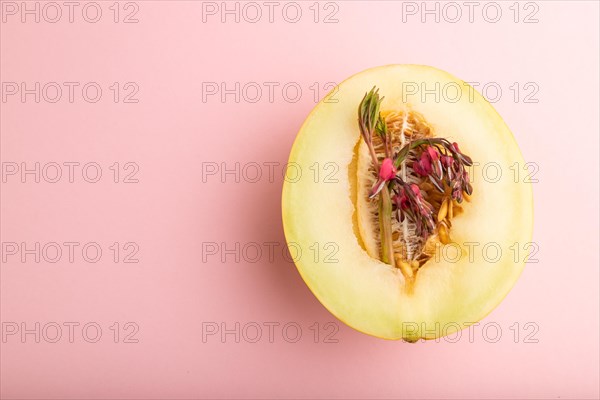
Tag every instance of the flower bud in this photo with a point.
(423, 165)
(387, 172)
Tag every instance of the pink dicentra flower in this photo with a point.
(388, 171)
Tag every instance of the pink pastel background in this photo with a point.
(170, 293)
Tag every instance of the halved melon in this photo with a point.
(329, 224)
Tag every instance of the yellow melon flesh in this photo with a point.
(360, 290)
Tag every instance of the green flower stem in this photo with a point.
(385, 226)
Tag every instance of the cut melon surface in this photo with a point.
(323, 218)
